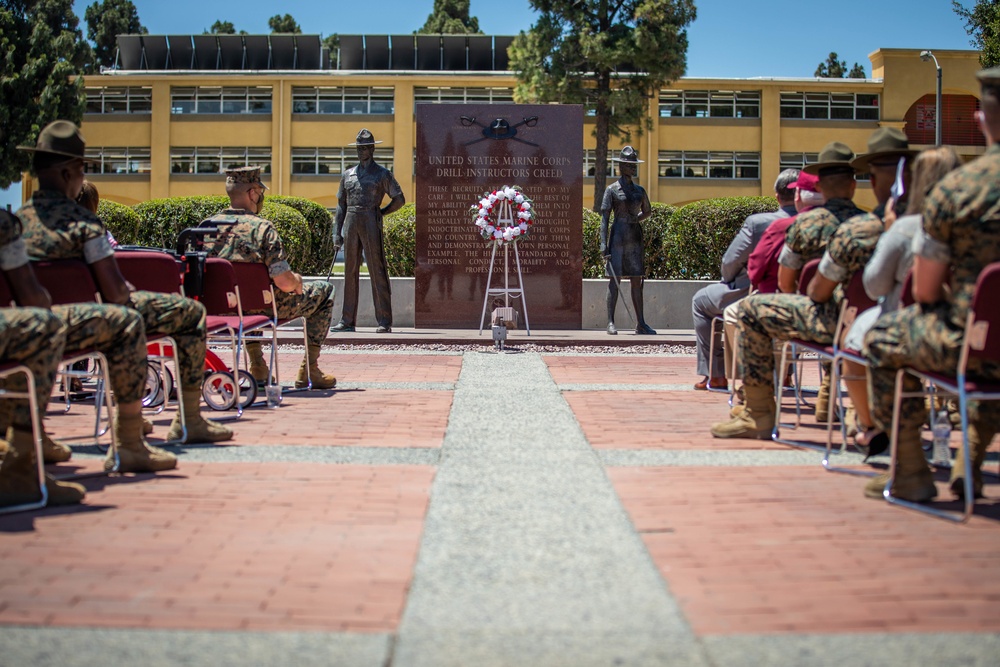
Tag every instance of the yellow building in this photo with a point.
(179, 109)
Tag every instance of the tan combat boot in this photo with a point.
(199, 429)
(978, 446)
(823, 400)
(54, 452)
(320, 380)
(756, 420)
(147, 426)
(258, 367)
(135, 454)
(914, 481)
(19, 476)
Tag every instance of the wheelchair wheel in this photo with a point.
(218, 390)
(152, 395)
(248, 389)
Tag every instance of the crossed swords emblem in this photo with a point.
(499, 129)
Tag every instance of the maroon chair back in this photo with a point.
(984, 334)
(808, 271)
(150, 270)
(219, 287)
(856, 295)
(67, 280)
(255, 287)
(906, 296)
(6, 295)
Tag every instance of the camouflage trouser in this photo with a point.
(315, 304)
(35, 338)
(768, 317)
(921, 339)
(116, 332)
(183, 320)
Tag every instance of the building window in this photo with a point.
(214, 159)
(709, 164)
(337, 100)
(829, 106)
(590, 166)
(124, 99)
(709, 104)
(322, 161)
(446, 94)
(958, 121)
(228, 100)
(113, 160)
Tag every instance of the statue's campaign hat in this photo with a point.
(835, 158)
(248, 175)
(60, 137)
(628, 154)
(885, 147)
(364, 138)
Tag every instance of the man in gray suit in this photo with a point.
(710, 301)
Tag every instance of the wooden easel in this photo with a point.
(505, 218)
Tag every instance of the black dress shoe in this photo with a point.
(342, 328)
(645, 330)
(383, 329)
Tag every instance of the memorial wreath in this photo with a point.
(521, 212)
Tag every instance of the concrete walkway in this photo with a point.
(494, 509)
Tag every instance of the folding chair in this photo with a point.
(257, 294)
(9, 370)
(856, 300)
(69, 281)
(223, 299)
(791, 349)
(981, 341)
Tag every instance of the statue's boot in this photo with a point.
(320, 380)
(980, 437)
(199, 429)
(19, 475)
(914, 481)
(641, 327)
(135, 454)
(754, 420)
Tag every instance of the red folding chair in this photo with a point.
(223, 299)
(9, 370)
(257, 294)
(981, 341)
(70, 281)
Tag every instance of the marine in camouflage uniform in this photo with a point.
(961, 229)
(56, 227)
(767, 317)
(246, 237)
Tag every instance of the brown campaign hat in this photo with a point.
(628, 154)
(885, 146)
(364, 138)
(835, 158)
(248, 175)
(60, 137)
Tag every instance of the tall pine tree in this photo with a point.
(105, 21)
(611, 56)
(451, 17)
(42, 52)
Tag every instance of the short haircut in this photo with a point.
(810, 198)
(233, 188)
(782, 183)
(837, 184)
(89, 196)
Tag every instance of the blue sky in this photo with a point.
(751, 38)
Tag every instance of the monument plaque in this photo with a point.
(465, 151)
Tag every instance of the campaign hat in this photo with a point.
(364, 138)
(628, 154)
(62, 138)
(885, 147)
(835, 158)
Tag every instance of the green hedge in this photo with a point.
(121, 221)
(161, 220)
(399, 231)
(698, 234)
(320, 222)
(652, 236)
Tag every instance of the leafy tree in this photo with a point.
(609, 56)
(284, 23)
(831, 68)
(332, 44)
(105, 21)
(223, 28)
(857, 72)
(983, 23)
(451, 17)
(42, 51)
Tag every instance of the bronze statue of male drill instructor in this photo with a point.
(359, 227)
